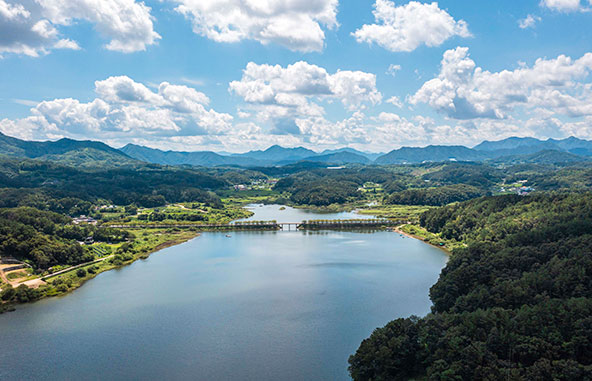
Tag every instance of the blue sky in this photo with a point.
(234, 75)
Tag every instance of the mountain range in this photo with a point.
(67, 151)
(92, 153)
(274, 155)
(514, 150)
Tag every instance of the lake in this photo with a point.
(285, 214)
(252, 306)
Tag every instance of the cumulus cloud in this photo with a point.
(295, 24)
(563, 5)
(127, 23)
(464, 91)
(393, 69)
(395, 101)
(124, 109)
(289, 99)
(289, 91)
(31, 27)
(528, 22)
(404, 28)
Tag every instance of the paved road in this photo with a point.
(75, 267)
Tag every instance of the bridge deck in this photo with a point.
(273, 225)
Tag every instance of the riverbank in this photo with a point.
(68, 280)
(419, 233)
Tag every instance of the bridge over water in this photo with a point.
(274, 225)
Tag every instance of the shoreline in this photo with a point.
(185, 236)
(443, 248)
(9, 307)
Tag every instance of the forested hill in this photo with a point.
(45, 239)
(66, 151)
(97, 154)
(515, 304)
(33, 183)
(199, 158)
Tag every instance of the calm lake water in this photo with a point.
(288, 214)
(253, 306)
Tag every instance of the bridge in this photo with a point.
(371, 223)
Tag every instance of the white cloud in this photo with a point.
(393, 69)
(295, 24)
(464, 91)
(25, 102)
(406, 27)
(124, 109)
(288, 91)
(66, 43)
(528, 22)
(124, 89)
(563, 5)
(13, 11)
(31, 28)
(395, 101)
(290, 101)
(127, 23)
(289, 98)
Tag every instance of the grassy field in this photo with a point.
(182, 213)
(21, 275)
(396, 212)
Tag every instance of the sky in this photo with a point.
(237, 75)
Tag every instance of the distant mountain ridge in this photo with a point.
(274, 155)
(430, 153)
(544, 157)
(510, 149)
(531, 145)
(341, 157)
(277, 153)
(197, 158)
(66, 151)
(93, 153)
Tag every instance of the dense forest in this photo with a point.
(321, 187)
(44, 239)
(514, 304)
(436, 196)
(70, 190)
(434, 184)
(39, 184)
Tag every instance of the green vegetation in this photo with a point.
(38, 200)
(435, 196)
(409, 213)
(514, 259)
(147, 241)
(183, 213)
(149, 185)
(435, 239)
(44, 239)
(514, 304)
(325, 187)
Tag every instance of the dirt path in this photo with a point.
(3, 276)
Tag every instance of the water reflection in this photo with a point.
(255, 306)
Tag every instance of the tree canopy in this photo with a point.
(515, 304)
